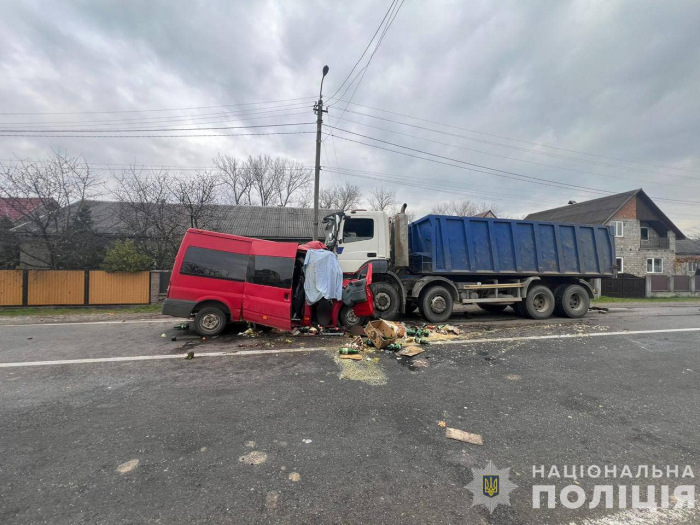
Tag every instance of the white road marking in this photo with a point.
(644, 517)
(562, 336)
(243, 353)
(130, 321)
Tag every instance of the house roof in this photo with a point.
(14, 207)
(487, 214)
(600, 211)
(250, 221)
(688, 247)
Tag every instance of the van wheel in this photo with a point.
(210, 321)
(436, 304)
(386, 301)
(539, 303)
(491, 307)
(348, 318)
(572, 301)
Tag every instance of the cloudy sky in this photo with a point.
(522, 104)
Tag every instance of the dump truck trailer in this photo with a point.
(538, 268)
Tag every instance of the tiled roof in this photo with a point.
(14, 208)
(596, 211)
(688, 247)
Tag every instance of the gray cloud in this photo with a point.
(617, 79)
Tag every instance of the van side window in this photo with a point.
(271, 271)
(358, 230)
(214, 264)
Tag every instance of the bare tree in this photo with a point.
(382, 198)
(57, 186)
(340, 197)
(262, 187)
(290, 180)
(149, 214)
(463, 208)
(198, 196)
(234, 179)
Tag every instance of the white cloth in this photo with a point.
(323, 276)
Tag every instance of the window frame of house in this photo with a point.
(642, 229)
(621, 266)
(653, 265)
(621, 226)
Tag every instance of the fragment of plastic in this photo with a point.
(323, 276)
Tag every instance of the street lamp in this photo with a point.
(318, 108)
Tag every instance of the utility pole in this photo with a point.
(318, 108)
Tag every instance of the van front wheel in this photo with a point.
(210, 321)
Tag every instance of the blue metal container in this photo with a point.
(441, 244)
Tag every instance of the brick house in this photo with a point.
(645, 238)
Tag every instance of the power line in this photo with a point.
(507, 157)
(160, 136)
(171, 118)
(498, 172)
(525, 141)
(365, 51)
(153, 130)
(151, 110)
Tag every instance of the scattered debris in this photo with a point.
(418, 362)
(254, 458)
(348, 350)
(461, 435)
(182, 326)
(203, 449)
(163, 335)
(190, 355)
(513, 377)
(173, 338)
(294, 476)
(128, 466)
(306, 440)
(354, 357)
(442, 424)
(410, 351)
(288, 341)
(250, 444)
(421, 341)
(599, 309)
(383, 333)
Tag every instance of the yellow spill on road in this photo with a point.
(254, 458)
(367, 371)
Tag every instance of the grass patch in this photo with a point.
(605, 299)
(79, 310)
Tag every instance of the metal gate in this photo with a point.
(628, 286)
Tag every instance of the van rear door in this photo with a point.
(268, 287)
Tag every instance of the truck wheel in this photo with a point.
(436, 305)
(519, 308)
(348, 318)
(572, 301)
(386, 301)
(210, 321)
(491, 307)
(539, 303)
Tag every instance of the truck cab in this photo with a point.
(357, 237)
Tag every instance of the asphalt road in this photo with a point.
(300, 437)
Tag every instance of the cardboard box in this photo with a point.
(383, 333)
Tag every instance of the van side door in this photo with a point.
(211, 268)
(268, 287)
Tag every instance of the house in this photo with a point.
(688, 257)
(645, 238)
(15, 207)
(488, 214)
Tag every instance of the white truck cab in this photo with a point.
(363, 236)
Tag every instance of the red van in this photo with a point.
(220, 278)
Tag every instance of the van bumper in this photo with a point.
(178, 308)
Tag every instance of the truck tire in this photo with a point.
(571, 301)
(348, 318)
(210, 321)
(492, 307)
(436, 304)
(386, 301)
(519, 308)
(539, 303)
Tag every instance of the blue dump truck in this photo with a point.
(537, 268)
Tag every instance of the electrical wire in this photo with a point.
(153, 130)
(161, 136)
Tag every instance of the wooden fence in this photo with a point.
(73, 287)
